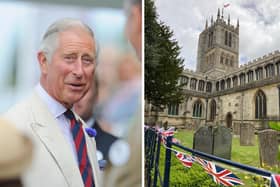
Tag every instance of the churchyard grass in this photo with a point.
(196, 177)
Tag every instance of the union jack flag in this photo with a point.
(168, 132)
(275, 181)
(220, 175)
(186, 160)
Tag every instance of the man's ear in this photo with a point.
(43, 62)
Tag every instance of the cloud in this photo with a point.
(259, 25)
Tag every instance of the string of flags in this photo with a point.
(219, 175)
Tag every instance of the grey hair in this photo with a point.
(49, 42)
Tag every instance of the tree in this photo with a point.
(163, 66)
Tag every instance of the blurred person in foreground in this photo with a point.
(128, 172)
(64, 154)
(85, 109)
(15, 154)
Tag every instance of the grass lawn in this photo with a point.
(196, 177)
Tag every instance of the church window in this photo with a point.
(210, 39)
(229, 40)
(197, 109)
(222, 84)
(228, 83)
(221, 59)
(260, 105)
(193, 84)
(250, 75)
(259, 73)
(201, 85)
(217, 86)
(278, 68)
(184, 80)
(212, 109)
(269, 70)
(235, 81)
(242, 79)
(226, 37)
(208, 87)
(173, 109)
(226, 61)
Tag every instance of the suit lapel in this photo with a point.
(46, 128)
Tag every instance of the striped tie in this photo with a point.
(80, 144)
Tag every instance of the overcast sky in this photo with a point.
(259, 21)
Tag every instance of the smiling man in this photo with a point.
(64, 153)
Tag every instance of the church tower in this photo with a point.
(218, 47)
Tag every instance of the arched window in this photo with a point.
(217, 86)
(193, 83)
(226, 38)
(222, 84)
(229, 41)
(260, 105)
(242, 79)
(197, 109)
(259, 73)
(269, 70)
(228, 83)
(208, 87)
(278, 68)
(173, 109)
(200, 85)
(250, 75)
(212, 109)
(235, 81)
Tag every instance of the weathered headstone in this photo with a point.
(203, 140)
(268, 147)
(222, 142)
(216, 141)
(247, 134)
(236, 128)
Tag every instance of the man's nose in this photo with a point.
(78, 69)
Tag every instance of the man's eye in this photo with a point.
(87, 60)
(69, 58)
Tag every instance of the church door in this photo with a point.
(229, 120)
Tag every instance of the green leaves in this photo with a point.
(163, 65)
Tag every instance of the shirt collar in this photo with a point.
(56, 108)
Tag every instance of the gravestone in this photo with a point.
(247, 134)
(268, 147)
(214, 140)
(222, 142)
(203, 140)
(236, 128)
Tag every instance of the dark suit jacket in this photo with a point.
(103, 140)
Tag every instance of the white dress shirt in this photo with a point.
(57, 111)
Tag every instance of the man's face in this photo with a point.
(69, 74)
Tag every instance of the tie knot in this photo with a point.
(69, 114)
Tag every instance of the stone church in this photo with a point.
(222, 92)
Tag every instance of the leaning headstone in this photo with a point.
(268, 147)
(236, 128)
(222, 142)
(203, 140)
(247, 134)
